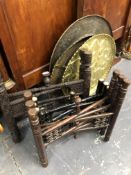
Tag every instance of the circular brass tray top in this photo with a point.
(61, 63)
(103, 49)
(91, 24)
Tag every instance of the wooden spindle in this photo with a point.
(77, 101)
(27, 95)
(29, 104)
(114, 85)
(36, 129)
(85, 70)
(112, 92)
(100, 86)
(123, 85)
(105, 88)
(46, 78)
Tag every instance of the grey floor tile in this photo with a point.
(8, 164)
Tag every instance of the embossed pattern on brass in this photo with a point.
(103, 51)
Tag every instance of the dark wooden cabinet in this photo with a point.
(28, 33)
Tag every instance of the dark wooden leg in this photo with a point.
(123, 85)
(36, 129)
(112, 92)
(114, 86)
(100, 86)
(85, 71)
(8, 114)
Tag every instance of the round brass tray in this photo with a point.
(61, 63)
(91, 24)
(103, 49)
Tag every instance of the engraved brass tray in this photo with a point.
(91, 24)
(103, 49)
(61, 63)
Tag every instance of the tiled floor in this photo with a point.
(87, 155)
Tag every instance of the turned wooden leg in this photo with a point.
(114, 86)
(6, 109)
(104, 92)
(85, 71)
(123, 85)
(112, 92)
(36, 129)
(28, 95)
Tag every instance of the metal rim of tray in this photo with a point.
(94, 24)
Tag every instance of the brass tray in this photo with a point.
(61, 63)
(103, 49)
(91, 24)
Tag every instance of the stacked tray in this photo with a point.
(93, 33)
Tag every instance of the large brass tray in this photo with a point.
(103, 49)
(92, 24)
(61, 63)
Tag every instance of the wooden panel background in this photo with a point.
(8, 46)
(34, 27)
(115, 11)
(3, 70)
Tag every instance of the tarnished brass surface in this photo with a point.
(103, 51)
(61, 63)
(91, 24)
